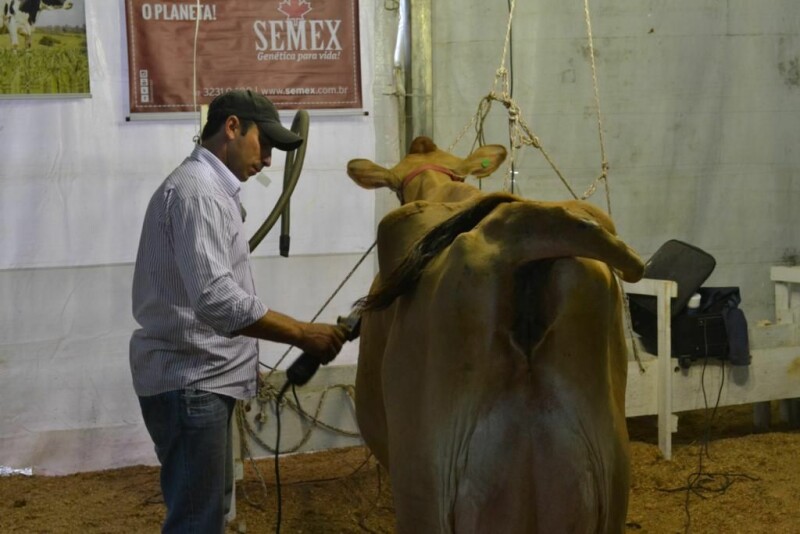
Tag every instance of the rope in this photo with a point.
(325, 305)
(520, 133)
(603, 161)
(507, 40)
(244, 452)
(194, 69)
(268, 395)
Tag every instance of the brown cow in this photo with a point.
(492, 366)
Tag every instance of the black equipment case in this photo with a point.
(715, 328)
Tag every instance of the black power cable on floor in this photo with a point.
(701, 481)
(298, 374)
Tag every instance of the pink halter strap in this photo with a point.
(432, 167)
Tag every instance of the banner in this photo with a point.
(43, 49)
(298, 53)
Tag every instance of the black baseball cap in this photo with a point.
(257, 108)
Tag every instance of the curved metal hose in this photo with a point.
(291, 174)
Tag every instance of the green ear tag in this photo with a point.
(485, 163)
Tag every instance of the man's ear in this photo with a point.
(370, 175)
(483, 162)
(232, 127)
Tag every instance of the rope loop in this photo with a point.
(520, 133)
(513, 110)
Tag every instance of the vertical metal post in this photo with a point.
(419, 79)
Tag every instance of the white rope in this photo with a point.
(603, 161)
(506, 46)
(325, 304)
(268, 396)
(520, 134)
(194, 69)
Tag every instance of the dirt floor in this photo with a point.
(750, 484)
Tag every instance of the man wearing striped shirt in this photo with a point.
(196, 352)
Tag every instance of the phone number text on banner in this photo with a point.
(298, 53)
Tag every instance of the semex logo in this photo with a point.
(294, 33)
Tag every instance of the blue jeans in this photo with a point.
(191, 430)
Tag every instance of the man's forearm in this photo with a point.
(275, 326)
(321, 340)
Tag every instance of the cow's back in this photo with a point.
(548, 450)
(504, 389)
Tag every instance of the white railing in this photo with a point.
(662, 387)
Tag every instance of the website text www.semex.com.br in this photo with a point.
(280, 91)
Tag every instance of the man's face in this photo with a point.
(248, 152)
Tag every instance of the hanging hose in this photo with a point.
(291, 174)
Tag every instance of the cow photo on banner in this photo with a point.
(298, 53)
(43, 49)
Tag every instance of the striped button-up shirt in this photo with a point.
(192, 286)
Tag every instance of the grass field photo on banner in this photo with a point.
(43, 49)
(56, 63)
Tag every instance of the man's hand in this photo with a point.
(324, 341)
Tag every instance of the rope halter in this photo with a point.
(427, 167)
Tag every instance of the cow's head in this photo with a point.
(424, 154)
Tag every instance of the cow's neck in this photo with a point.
(436, 184)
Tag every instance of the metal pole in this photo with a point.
(419, 102)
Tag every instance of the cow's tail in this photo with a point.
(405, 277)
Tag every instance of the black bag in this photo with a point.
(716, 328)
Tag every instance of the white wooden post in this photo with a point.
(784, 277)
(664, 291)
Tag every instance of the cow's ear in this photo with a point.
(483, 162)
(370, 175)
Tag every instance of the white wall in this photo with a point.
(74, 183)
(700, 102)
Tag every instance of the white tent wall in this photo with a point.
(700, 106)
(76, 178)
(699, 103)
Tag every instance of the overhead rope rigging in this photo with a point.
(520, 133)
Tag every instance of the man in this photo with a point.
(194, 297)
